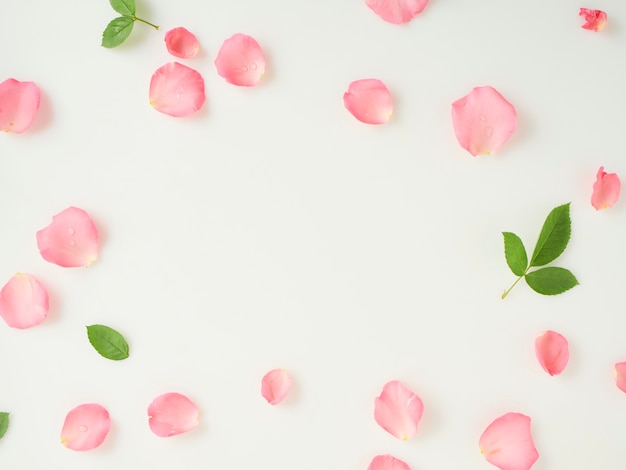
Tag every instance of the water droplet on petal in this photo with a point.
(253, 66)
(70, 230)
(482, 117)
(82, 428)
(243, 68)
(72, 243)
(488, 131)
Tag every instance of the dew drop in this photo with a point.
(482, 117)
(70, 231)
(82, 428)
(243, 68)
(253, 66)
(72, 243)
(488, 131)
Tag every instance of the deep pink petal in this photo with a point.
(595, 20)
(240, 61)
(508, 444)
(85, 427)
(483, 121)
(181, 43)
(606, 189)
(23, 301)
(620, 376)
(177, 90)
(71, 240)
(398, 410)
(397, 11)
(387, 462)
(552, 352)
(275, 386)
(369, 101)
(172, 414)
(19, 102)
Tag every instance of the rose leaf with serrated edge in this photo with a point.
(107, 342)
(515, 253)
(551, 281)
(554, 236)
(4, 423)
(124, 7)
(117, 31)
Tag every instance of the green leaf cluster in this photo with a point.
(107, 342)
(4, 423)
(553, 240)
(118, 29)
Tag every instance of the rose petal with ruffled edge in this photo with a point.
(19, 103)
(176, 90)
(181, 42)
(85, 427)
(552, 352)
(508, 444)
(398, 410)
(397, 11)
(369, 101)
(23, 302)
(595, 20)
(387, 462)
(171, 414)
(606, 189)
(71, 240)
(240, 61)
(483, 121)
(275, 386)
(620, 375)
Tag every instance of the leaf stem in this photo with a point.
(506, 292)
(146, 22)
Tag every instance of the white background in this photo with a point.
(272, 229)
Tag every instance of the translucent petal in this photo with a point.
(177, 90)
(240, 61)
(369, 101)
(172, 414)
(181, 43)
(606, 189)
(397, 11)
(19, 103)
(552, 352)
(275, 386)
(620, 376)
(398, 410)
(85, 427)
(23, 301)
(508, 444)
(595, 20)
(387, 462)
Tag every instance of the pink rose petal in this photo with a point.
(71, 240)
(483, 121)
(397, 11)
(595, 20)
(176, 90)
(552, 352)
(508, 444)
(620, 376)
(23, 301)
(19, 102)
(275, 386)
(182, 43)
(398, 410)
(387, 462)
(172, 414)
(240, 61)
(85, 427)
(606, 189)
(369, 101)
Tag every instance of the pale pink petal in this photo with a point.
(606, 189)
(552, 352)
(85, 427)
(181, 43)
(23, 301)
(508, 444)
(71, 240)
(177, 90)
(369, 101)
(398, 410)
(483, 121)
(620, 376)
(240, 61)
(595, 20)
(387, 462)
(19, 102)
(275, 386)
(172, 414)
(397, 11)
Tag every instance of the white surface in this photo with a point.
(274, 230)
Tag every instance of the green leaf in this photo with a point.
(108, 342)
(117, 31)
(124, 7)
(554, 236)
(4, 423)
(551, 281)
(515, 253)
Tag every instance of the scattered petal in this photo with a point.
(397, 11)
(85, 427)
(71, 240)
(398, 410)
(181, 43)
(369, 101)
(620, 376)
(23, 302)
(606, 189)
(595, 20)
(483, 121)
(172, 414)
(275, 386)
(387, 462)
(19, 102)
(240, 61)
(552, 352)
(508, 444)
(176, 90)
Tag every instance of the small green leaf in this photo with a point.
(551, 281)
(554, 236)
(124, 7)
(108, 342)
(4, 423)
(515, 253)
(117, 31)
